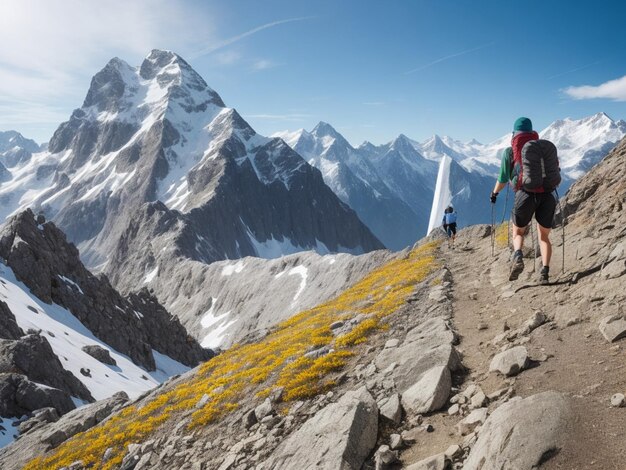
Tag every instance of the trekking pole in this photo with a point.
(493, 233)
(508, 224)
(532, 234)
(558, 200)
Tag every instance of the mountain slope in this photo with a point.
(38, 255)
(374, 375)
(68, 338)
(391, 186)
(158, 132)
(356, 182)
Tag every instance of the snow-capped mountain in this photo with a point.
(13, 140)
(14, 149)
(158, 133)
(357, 182)
(584, 142)
(396, 173)
(581, 144)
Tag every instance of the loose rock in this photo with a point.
(618, 400)
(521, 433)
(510, 362)
(613, 327)
(429, 393)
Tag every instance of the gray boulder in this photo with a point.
(510, 362)
(613, 327)
(99, 353)
(20, 396)
(426, 346)
(33, 356)
(472, 421)
(435, 462)
(338, 437)
(391, 409)
(521, 434)
(430, 392)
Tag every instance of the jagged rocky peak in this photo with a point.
(15, 149)
(324, 129)
(108, 86)
(403, 144)
(11, 139)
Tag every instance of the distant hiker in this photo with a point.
(449, 224)
(532, 167)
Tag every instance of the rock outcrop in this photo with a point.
(522, 433)
(20, 396)
(33, 357)
(41, 257)
(340, 436)
(9, 328)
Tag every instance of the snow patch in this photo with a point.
(71, 283)
(166, 367)
(217, 324)
(303, 272)
(443, 195)
(151, 275)
(230, 269)
(67, 335)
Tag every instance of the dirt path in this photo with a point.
(573, 357)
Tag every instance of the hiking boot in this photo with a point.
(544, 276)
(517, 266)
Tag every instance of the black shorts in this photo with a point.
(542, 205)
(451, 229)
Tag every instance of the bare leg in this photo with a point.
(545, 245)
(518, 237)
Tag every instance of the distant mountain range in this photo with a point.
(157, 132)
(391, 186)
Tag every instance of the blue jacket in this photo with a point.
(449, 218)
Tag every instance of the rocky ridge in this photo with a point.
(40, 256)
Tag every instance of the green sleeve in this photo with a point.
(505, 166)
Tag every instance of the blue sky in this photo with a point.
(371, 69)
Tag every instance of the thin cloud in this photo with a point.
(577, 69)
(613, 90)
(374, 103)
(227, 42)
(448, 57)
(228, 57)
(263, 64)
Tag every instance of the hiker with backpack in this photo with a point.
(449, 224)
(531, 165)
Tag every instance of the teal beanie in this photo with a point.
(523, 124)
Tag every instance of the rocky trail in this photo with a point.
(567, 352)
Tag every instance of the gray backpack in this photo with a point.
(540, 167)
